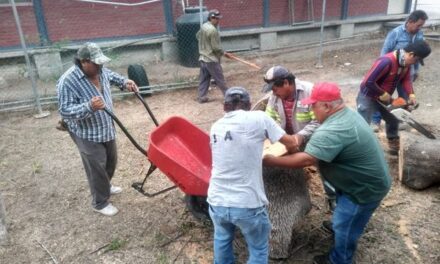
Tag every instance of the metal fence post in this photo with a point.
(321, 39)
(28, 63)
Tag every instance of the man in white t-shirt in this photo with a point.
(236, 191)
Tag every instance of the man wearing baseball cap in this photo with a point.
(285, 93)
(382, 79)
(210, 51)
(236, 193)
(83, 92)
(349, 156)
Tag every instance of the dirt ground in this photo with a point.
(47, 199)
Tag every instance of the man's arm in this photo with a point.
(379, 69)
(308, 130)
(68, 106)
(296, 160)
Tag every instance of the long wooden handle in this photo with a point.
(255, 66)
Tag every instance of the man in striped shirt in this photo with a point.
(83, 92)
(284, 106)
(382, 79)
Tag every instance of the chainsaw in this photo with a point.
(400, 109)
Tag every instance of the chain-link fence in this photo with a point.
(39, 38)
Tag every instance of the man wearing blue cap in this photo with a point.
(83, 92)
(236, 193)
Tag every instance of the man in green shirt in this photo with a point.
(210, 54)
(349, 156)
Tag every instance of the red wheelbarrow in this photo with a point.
(181, 151)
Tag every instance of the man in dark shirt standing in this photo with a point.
(382, 79)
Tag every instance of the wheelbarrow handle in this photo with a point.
(143, 151)
(147, 107)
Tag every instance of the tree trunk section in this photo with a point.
(418, 161)
(289, 202)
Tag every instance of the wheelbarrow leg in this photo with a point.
(139, 186)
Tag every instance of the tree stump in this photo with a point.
(418, 161)
(289, 202)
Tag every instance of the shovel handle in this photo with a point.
(253, 65)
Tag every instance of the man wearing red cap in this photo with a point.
(349, 156)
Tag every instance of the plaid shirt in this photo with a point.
(74, 94)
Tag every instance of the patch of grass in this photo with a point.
(185, 227)
(116, 244)
(162, 258)
(36, 167)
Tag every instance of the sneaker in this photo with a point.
(393, 146)
(321, 259)
(203, 100)
(109, 210)
(115, 189)
(328, 226)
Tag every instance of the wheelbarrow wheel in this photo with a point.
(198, 206)
(136, 72)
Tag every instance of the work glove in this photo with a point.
(385, 97)
(412, 99)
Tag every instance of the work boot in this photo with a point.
(321, 259)
(394, 146)
(203, 100)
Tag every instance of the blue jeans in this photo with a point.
(366, 106)
(349, 221)
(253, 223)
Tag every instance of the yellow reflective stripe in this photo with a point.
(306, 116)
(273, 114)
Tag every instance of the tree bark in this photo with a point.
(418, 161)
(289, 202)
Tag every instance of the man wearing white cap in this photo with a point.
(83, 92)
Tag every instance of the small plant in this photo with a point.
(115, 244)
(162, 258)
(36, 167)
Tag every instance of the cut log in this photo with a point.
(418, 161)
(289, 202)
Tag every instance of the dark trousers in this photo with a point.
(366, 106)
(210, 70)
(99, 160)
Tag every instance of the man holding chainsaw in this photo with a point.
(399, 38)
(380, 82)
(210, 55)
(83, 92)
(236, 193)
